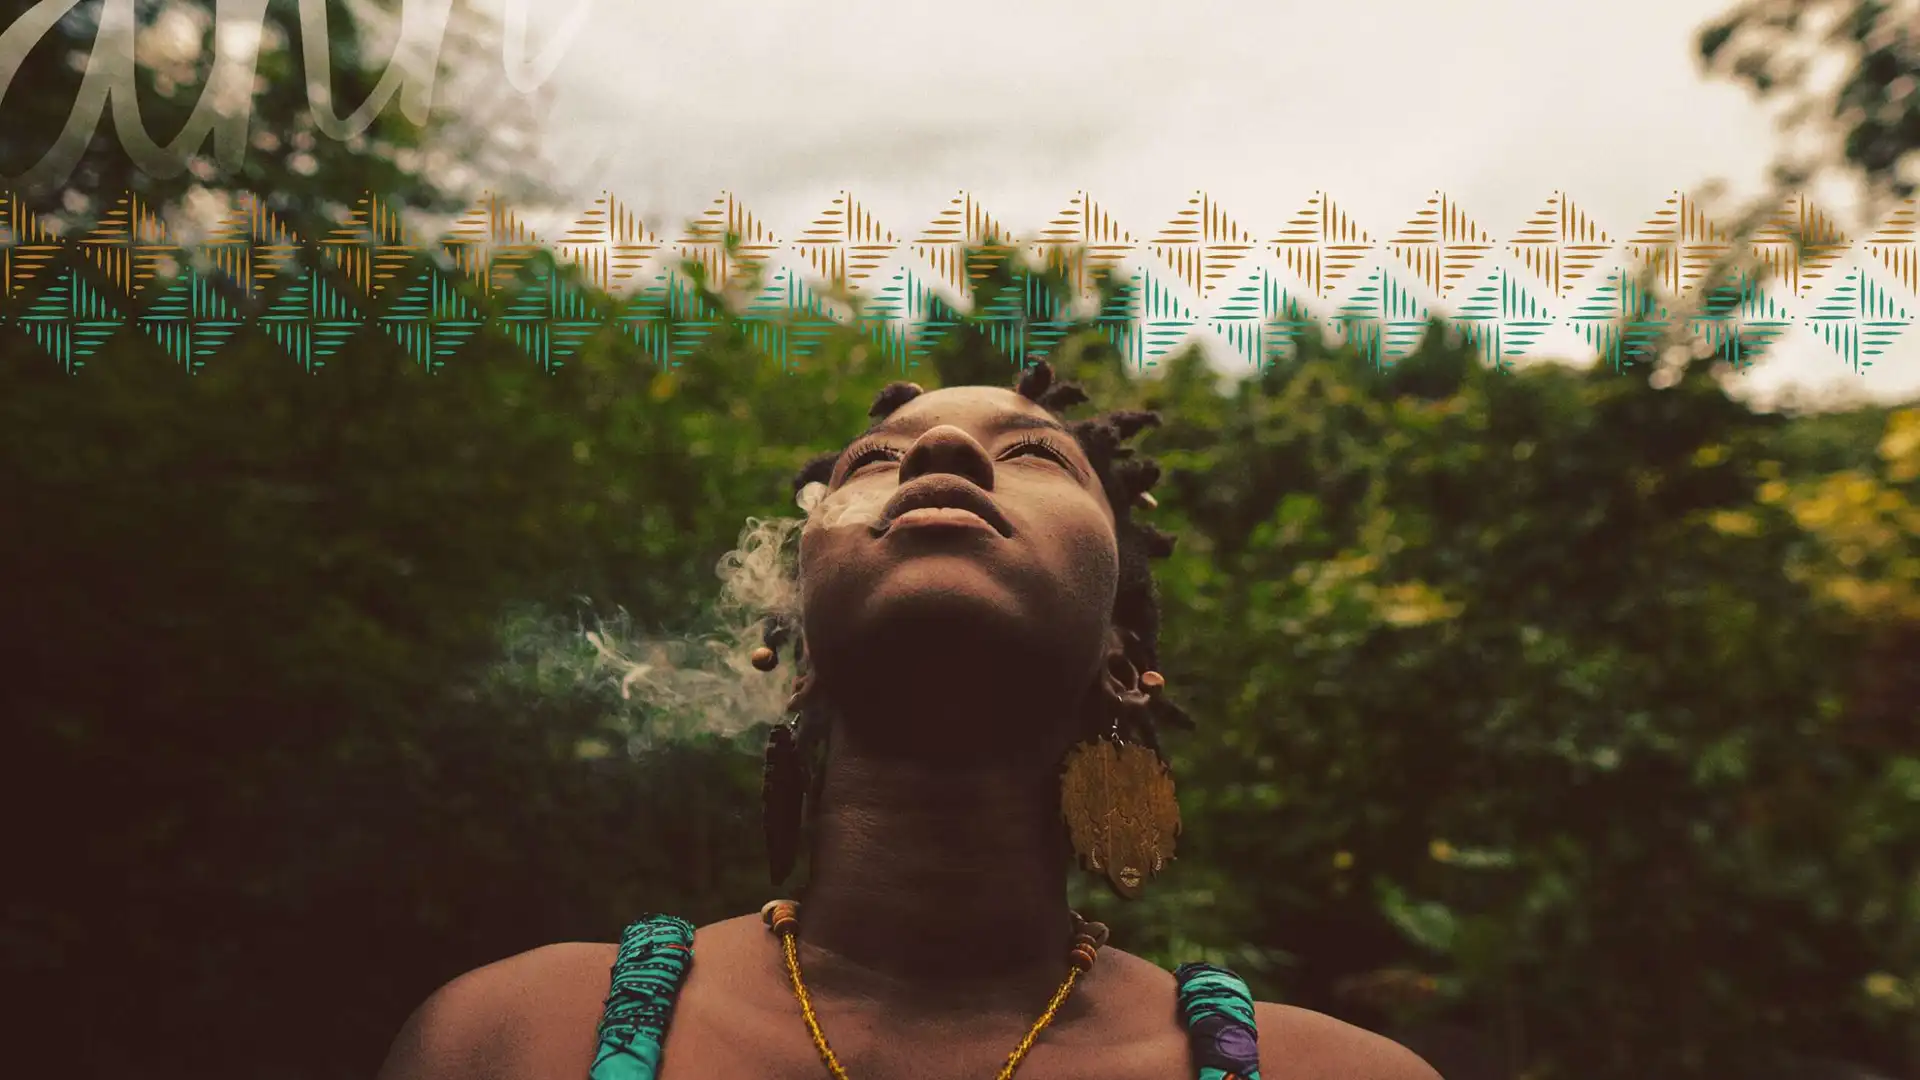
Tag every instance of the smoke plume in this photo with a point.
(665, 688)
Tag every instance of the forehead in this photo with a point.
(973, 408)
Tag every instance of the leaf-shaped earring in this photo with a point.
(1117, 797)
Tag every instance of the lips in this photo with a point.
(943, 491)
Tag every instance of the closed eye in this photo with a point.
(863, 454)
(1041, 445)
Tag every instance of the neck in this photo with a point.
(936, 882)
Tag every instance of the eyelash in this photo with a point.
(1040, 442)
(860, 454)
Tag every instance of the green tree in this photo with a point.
(1874, 108)
(296, 170)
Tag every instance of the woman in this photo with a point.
(988, 616)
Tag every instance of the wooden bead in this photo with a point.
(1083, 956)
(1096, 931)
(1152, 682)
(781, 916)
(765, 659)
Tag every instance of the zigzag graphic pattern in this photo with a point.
(1202, 271)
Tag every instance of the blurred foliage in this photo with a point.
(1561, 716)
(1873, 107)
(296, 171)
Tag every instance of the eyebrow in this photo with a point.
(1007, 422)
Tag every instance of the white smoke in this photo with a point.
(677, 687)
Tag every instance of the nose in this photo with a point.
(947, 449)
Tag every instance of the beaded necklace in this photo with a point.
(783, 918)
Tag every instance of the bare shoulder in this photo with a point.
(495, 1022)
(1295, 1043)
(1300, 1044)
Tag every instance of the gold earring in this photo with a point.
(1121, 812)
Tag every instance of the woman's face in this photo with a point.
(978, 533)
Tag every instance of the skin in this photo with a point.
(935, 922)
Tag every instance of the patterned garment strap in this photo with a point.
(1217, 1009)
(652, 963)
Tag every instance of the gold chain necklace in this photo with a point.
(783, 918)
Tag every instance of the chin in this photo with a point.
(957, 611)
(944, 623)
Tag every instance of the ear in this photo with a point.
(1117, 689)
(802, 695)
(806, 681)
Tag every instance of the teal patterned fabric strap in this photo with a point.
(652, 963)
(1217, 1009)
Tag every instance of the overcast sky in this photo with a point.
(1497, 103)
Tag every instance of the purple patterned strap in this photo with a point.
(1217, 1009)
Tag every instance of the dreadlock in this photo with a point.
(1126, 477)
